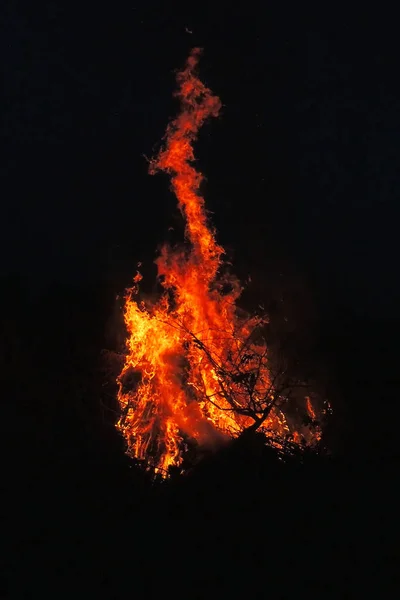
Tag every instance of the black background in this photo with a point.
(302, 172)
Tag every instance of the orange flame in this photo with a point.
(173, 388)
(310, 409)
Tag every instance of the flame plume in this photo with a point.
(177, 384)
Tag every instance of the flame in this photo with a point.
(310, 409)
(178, 383)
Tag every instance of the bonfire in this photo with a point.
(197, 368)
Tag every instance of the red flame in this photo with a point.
(178, 383)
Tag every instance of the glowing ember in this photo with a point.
(196, 371)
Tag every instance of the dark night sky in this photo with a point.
(302, 167)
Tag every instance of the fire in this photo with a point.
(310, 408)
(195, 371)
